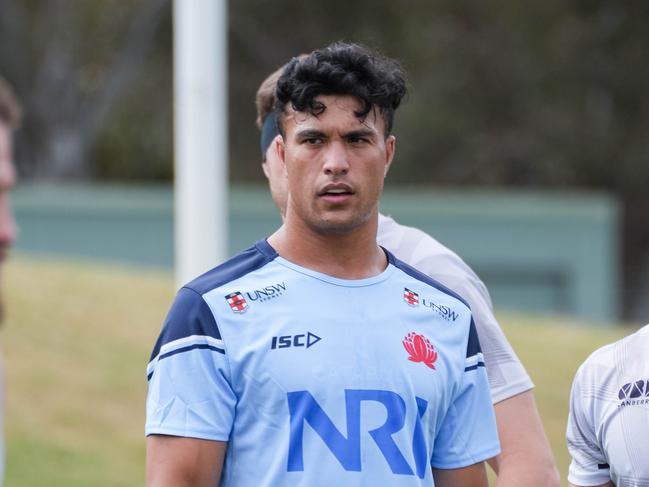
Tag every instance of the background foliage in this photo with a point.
(547, 94)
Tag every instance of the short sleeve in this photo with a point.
(589, 466)
(190, 392)
(468, 433)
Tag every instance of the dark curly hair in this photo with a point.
(342, 69)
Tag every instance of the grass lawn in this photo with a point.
(77, 340)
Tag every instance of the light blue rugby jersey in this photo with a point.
(319, 381)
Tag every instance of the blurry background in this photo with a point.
(522, 146)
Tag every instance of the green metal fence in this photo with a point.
(540, 252)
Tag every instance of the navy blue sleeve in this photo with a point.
(190, 392)
(188, 316)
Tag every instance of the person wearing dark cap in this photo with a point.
(306, 360)
(526, 457)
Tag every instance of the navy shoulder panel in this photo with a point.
(412, 272)
(241, 264)
(473, 345)
(189, 315)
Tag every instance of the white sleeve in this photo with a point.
(589, 465)
(506, 374)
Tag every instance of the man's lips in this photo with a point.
(336, 188)
(336, 193)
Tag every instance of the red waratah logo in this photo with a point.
(420, 349)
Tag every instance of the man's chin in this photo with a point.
(340, 225)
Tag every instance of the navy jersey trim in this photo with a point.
(603, 466)
(412, 272)
(191, 347)
(474, 367)
(241, 264)
(199, 346)
(190, 315)
(473, 345)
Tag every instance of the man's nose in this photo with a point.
(336, 159)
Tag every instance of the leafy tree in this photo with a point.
(70, 62)
(551, 94)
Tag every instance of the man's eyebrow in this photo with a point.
(310, 133)
(359, 133)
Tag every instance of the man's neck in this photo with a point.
(350, 255)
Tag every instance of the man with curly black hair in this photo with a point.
(526, 457)
(307, 359)
(376, 82)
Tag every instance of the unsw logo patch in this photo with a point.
(420, 349)
(237, 302)
(410, 297)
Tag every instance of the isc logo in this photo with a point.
(301, 340)
(347, 449)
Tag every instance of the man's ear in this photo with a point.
(390, 148)
(280, 147)
(264, 167)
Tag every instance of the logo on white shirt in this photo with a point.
(634, 393)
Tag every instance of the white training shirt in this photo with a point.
(608, 425)
(507, 376)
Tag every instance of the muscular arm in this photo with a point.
(471, 476)
(174, 461)
(526, 457)
(607, 484)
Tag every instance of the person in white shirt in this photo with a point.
(526, 458)
(608, 423)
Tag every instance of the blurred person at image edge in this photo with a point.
(10, 116)
(608, 422)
